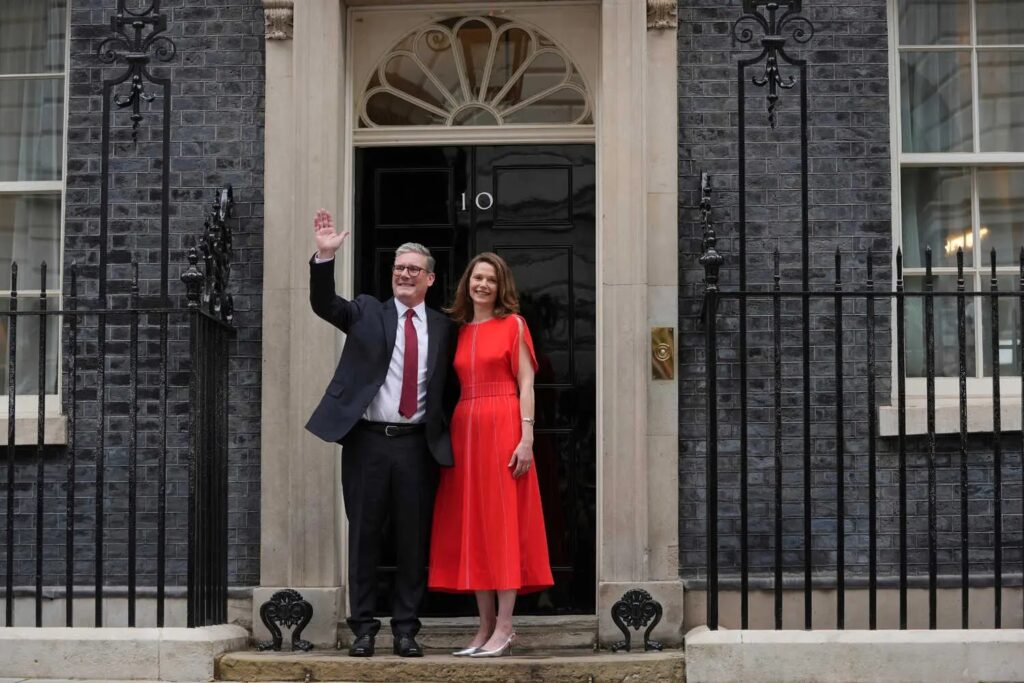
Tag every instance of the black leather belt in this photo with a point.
(392, 429)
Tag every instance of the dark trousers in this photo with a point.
(384, 477)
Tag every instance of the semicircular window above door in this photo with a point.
(475, 71)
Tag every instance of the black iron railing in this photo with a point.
(141, 487)
(822, 440)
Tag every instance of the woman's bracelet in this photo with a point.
(529, 420)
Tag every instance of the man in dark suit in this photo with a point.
(386, 404)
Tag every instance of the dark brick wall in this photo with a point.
(850, 184)
(216, 137)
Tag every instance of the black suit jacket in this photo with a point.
(370, 326)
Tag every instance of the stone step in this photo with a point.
(548, 633)
(563, 666)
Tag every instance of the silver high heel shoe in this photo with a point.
(503, 649)
(468, 652)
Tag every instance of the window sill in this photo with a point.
(947, 416)
(26, 430)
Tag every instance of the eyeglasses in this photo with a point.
(413, 271)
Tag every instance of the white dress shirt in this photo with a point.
(384, 406)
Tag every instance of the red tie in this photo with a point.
(407, 405)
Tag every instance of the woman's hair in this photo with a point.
(506, 300)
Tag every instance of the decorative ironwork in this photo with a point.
(193, 279)
(132, 46)
(773, 42)
(710, 259)
(279, 16)
(209, 286)
(216, 249)
(662, 14)
(635, 609)
(287, 608)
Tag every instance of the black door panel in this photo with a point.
(533, 205)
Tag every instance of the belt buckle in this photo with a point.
(388, 432)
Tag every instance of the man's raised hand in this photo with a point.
(328, 240)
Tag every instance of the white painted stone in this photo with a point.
(947, 416)
(189, 654)
(101, 653)
(107, 654)
(26, 430)
(941, 656)
(823, 608)
(322, 630)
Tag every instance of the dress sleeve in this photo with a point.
(524, 329)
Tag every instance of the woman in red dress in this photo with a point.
(488, 530)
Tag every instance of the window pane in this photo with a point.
(934, 22)
(29, 234)
(1009, 327)
(1001, 95)
(564, 104)
(1000, 22)
(1001, 204)
(31, 129)
(32, 36)
(935, 89)
(947, 358)
(936, 213)
(27, 349)
(385, 108)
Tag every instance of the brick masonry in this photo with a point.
(216, 135)
(850, 205)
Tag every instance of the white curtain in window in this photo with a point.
(31, 109)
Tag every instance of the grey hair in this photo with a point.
(416, 248)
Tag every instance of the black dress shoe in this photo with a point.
(406, 646)
(361, 647)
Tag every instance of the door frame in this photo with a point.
(308, 164)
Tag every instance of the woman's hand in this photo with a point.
(328, 240)
(522, 460)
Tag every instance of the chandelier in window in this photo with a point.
(475, 71)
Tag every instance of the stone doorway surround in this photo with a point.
(307, 166)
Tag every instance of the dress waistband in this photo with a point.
(482, 389)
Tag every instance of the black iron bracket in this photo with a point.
(289, 609)
(764, 14)
(710, 259)
(636, 609)
(131, 44)
(209, 287)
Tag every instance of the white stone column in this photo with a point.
(638, 487)
(300, 480)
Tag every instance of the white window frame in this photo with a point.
(979, 389)
(27, 405)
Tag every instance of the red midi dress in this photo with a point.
(488, 529)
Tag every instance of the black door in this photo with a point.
(533, 205)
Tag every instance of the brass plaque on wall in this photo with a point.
(663, 353)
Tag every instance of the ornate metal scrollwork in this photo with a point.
(635, 609)
(209, 287)
(287, 608)
(710, 258)
(216, 250)
(133, 45)
(773, 42)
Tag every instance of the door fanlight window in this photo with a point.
(475, 71)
